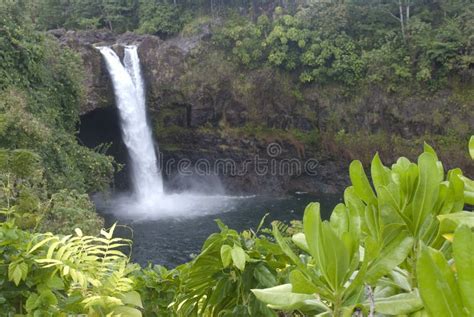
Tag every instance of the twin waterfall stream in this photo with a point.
(130, 99)
(148, 201)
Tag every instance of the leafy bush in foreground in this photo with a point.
(218, 281)
(381, 248)
(447, 290)
(399, 245)
(50, 275)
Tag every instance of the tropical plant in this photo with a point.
(58, 275)
(158, 287)
(67, 209)
(218, 281)
(367, 257)
(334, 267)
(446, 287)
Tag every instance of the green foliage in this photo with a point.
(46, 274)
(23, 192)
(351, 43)
(68, 209)
(43, 73)
(218, 281)
(245, 38)
(445, 288)
(158, 288)
(162, 19)
(388, 238)
(292, 43)
(385, 249)
(116, 15)
(471, 147)
(356, 42)
(43, 170)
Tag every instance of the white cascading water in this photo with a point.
(130, 99)
(149, 202)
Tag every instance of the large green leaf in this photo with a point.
(332, 255)
(380, 174)
(405, 174)
(468, 183)
(226, 256)
(437, 284)
(468, 194)
(238, 257)
(337, 256)
(449, 223)
(356, 209)
(361, 183)
(263, 275)
(463, 250)
(457, 191)
(469, 198)
(339, 219)
(427, 189)
(390, 205)
(373, 222)
(301, 283)
(428, 149)
(17, 271)
(400, 278)
(300, 240)
(353, 202)
(390, 256)
(312, 228)
(127, 311)
(399, 304)
(132, 298)
(282, 297)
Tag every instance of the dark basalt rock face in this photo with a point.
(203, 106)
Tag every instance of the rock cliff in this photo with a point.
(204, 106)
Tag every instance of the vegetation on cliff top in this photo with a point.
(392, 43)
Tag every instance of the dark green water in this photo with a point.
(171, 241)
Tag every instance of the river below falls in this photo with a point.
(171, 241)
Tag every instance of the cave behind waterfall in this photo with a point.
(102, 126)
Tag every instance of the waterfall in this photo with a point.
(130, 99)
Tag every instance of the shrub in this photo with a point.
(162, 19)
(54, 275)
(68, 210)
(384, 245)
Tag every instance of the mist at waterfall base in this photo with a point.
(172, 241)
(166, 227)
